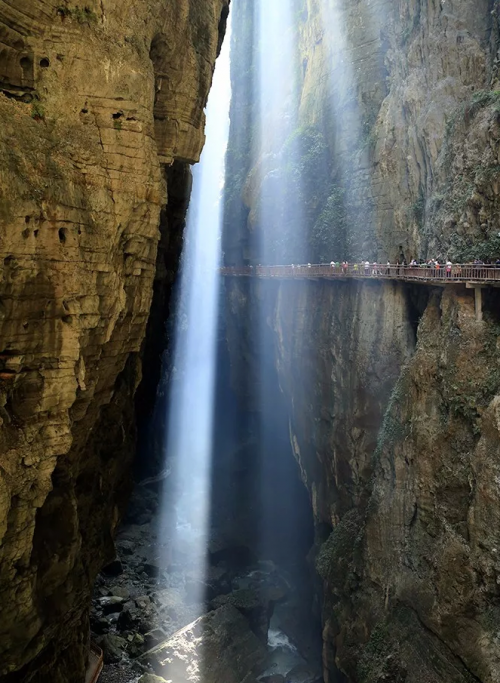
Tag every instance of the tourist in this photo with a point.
(367, 267)
(448, 268)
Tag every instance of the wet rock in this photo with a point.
(221, 644)
(136, 645)
(143, 602)
(113, 647)
(120, 591)
(253, 605)
(151, 678)
(111, 604)
(275, 678)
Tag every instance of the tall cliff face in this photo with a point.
(97, 101)
(392, 391)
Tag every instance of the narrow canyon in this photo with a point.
(249, 341)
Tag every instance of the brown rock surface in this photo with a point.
(93, 100)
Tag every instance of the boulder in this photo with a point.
(111, 604)
(302, 674)
(113, 647)
(219, 646)
(151, 678)
(99, 625)
(120, 591)
(152, 568)
(136, 645)
(254, 605)
(134, 618)
(154, 637)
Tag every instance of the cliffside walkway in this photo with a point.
(473, 276)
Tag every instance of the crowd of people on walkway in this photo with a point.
(443, 267)
(418, 269)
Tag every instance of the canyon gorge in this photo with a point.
(352, 521)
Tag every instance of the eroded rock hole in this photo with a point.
(25, 63)
(45, 63)
(62, 232)
(117, 115)
(418, 298)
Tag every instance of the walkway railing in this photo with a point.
(443, 274)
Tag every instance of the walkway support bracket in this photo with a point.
(478, 299)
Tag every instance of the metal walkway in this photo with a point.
(474, 277)
(487, 275)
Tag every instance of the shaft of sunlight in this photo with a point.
(277, 220)
(186, 500)
(278, 209)
(343, 76)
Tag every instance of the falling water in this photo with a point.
(185, 508)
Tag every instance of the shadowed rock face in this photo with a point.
(94, 100)
(392, 392)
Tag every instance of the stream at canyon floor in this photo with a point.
(142, 600)
(138, 603)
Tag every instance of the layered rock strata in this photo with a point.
(96, 101)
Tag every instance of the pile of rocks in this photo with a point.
(148, 617)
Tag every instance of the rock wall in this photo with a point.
(392, 390)
(96, 102)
